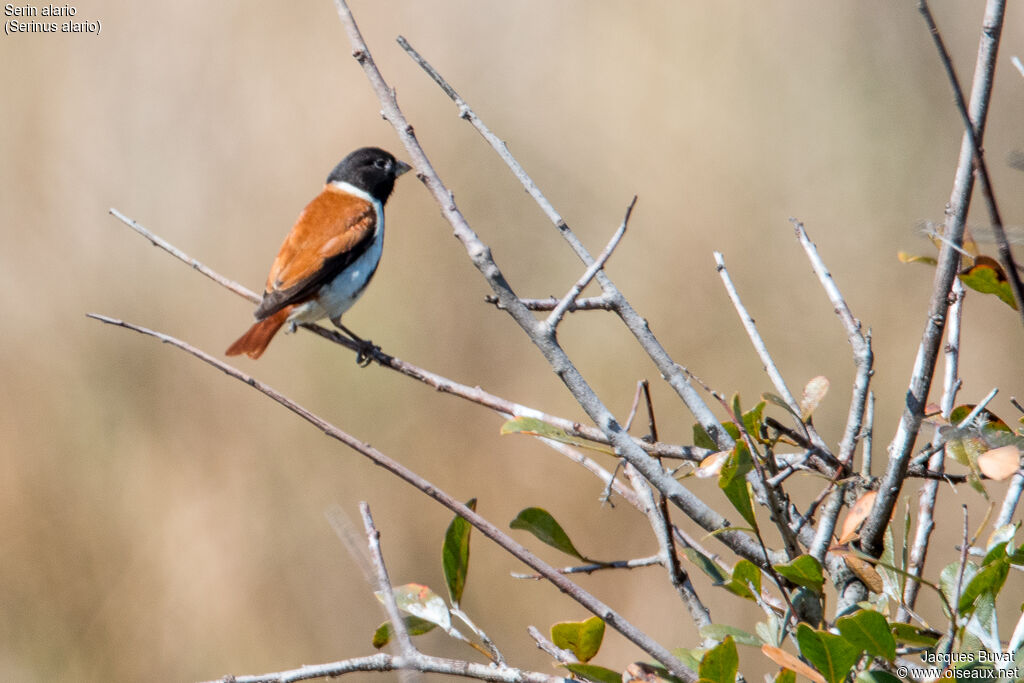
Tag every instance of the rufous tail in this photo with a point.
(254, 342)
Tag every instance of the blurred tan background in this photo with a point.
(160, 521)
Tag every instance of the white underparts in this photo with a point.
(337, 296)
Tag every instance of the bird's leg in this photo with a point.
(367, 349)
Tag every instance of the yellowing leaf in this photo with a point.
(1000, 463)
(419, 601)
(865, 571)
(711, 466)
(856, 516)
(582, 638)
(904, 257)
(791, 662)
(987, 276)
(535, 427)
(814, 392)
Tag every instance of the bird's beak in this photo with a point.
(401, 167)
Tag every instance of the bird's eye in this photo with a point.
(380, 163)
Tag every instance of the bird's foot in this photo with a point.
(366, 350)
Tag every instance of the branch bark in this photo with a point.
(901, 448)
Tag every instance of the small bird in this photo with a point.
(330, 254)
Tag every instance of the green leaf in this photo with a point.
(904, 257)
(541, 524)
(582, 638)
(869, 631)
(455, 555)
(535, 427)
(830, 654)
(752, 420)
(998, 552)
(706, 564)
(948, 580)
(909, 634)
(719, 632)
(414, 625)
(689, 657)
(781, 403)
(720, 663)
(419, 601)
(989, 579)
(769, 630)
(733, 483)
(591, 672)
(803, 571)
(987, 276)
(745, 581)
(702, 440)
(877, 676)
(785, 676)
(1002, 537)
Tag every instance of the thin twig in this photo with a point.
(951, 381)
(1015, 60)
(383, 662)
(480, 255)
(636, 324)
(1009, 506)
(667, 555)
(592, 303)
(611, 617)
(592, 567)
(867, 443)
(556, 653)
(661, 523)
(570, 297)
(954, 619)
(977, 410)
(443, 384)
(985, 182)
(922, 537)
(755, 337)
(384, 590)
(863, 357)
(902, 446)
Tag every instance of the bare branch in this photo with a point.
(592, 567)
(157, 241)
(384, 662)
(661, 526)
(1009, 506)
(922, 537)
(557, 653)
(1002, 244)
(480, 255)
(868, 441)
(636, 324)
(863, 357)
(1018, 64)
(384, 590)
(570, 297)
(443, 384)
(610, 617)
(902, 446)
(755, 337)
(593, 303)
(951, 378)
